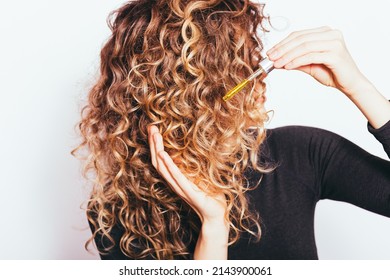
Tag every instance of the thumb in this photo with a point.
(306, 69)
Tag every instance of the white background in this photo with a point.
(49, 54)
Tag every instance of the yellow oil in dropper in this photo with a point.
(265, 67)
(235, 90)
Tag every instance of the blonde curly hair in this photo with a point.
(168, 63)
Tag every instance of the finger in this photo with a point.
(306, 69)
(156, 145)
(161, 165)
(295, 34)
(180, 184)
(303, 39)
(332, 35)
(308, 59)
(185, 185)
(151, 130)
(303, 49)
(163, 171)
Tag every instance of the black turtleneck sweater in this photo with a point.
(311, 164)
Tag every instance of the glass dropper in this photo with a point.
(265, 66)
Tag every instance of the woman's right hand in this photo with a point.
(322, 53)
(213, 238)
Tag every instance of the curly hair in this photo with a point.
(168, 63)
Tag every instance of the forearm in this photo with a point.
(212, 242)
(374, 106)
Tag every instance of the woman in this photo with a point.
(180, 173)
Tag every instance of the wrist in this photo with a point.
(216, 232)
(215, 227)
(212, 241)
(361, 88)
(374, 106)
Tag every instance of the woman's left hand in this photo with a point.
(321, 53)
(211, 209)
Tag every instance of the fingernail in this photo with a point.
(277, 63)
(288, 66)
(153, 129)
(272, 54)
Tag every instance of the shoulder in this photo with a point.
(300, 135)
(300, 142)
(298, 132)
